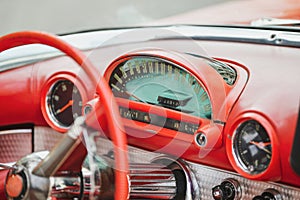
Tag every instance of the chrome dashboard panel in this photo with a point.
(206, 177)
(11, 141)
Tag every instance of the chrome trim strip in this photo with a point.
(16, 131)
(91, 40)
(4, 166)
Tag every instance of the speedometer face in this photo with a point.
(252, 147)
(64, 103)
(159, 82)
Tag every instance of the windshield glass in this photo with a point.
(73, 15)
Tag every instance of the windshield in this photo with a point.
(73, 15)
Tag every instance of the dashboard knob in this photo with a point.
(269, 194)
(229, 189)
(218, 192)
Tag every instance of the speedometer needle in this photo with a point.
(70, 103)
(262, 146)
(134, 96)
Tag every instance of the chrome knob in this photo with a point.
(269, 194)
(218, 193)
(229, 189)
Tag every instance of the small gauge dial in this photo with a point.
(64, 103)
(252, 147)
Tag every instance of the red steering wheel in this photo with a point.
(102, 88)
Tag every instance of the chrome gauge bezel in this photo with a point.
(236, 140)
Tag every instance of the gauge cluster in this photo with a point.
(168, 99)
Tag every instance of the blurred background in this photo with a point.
(64, 16)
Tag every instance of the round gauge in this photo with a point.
(64, 103)
(252, 147)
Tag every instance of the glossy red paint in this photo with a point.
(3, 174)
(16, 97)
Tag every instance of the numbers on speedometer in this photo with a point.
(159, 82)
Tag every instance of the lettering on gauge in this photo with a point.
(157, 120)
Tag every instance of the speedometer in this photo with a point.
(159, 82)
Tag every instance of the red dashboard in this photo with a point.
(223, 104)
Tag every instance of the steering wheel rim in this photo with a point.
(107, 99)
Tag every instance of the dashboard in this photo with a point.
(226, 120)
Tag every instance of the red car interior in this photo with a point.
(163, 112)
